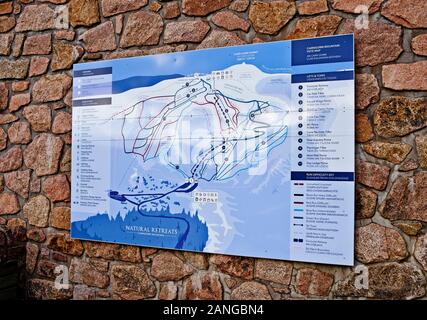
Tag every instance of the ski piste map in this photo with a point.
(244, 150)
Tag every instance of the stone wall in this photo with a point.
(38, 46)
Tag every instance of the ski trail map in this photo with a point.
(244, 150)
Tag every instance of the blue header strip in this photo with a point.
(322, 50)
(92, 72)
(322, 176)
(92, 102)
(323, 76)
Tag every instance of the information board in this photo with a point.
(244, 150)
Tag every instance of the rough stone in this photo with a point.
(64, 55)
(46, 268)
(368, 52)
(131, 282)
(142, 28)
(7, 23)
(62, 123)
(3, 139)
(85, 273)
(408, 13)
(11, 159)
(14, 69)
(38, 44)
(275, 271)
(147, 252)
(17, 229)
(7, 118)
(366, 203)
(251, 291)
(68, 101)
(372, 175)
(186, 31)
(408, 165)
(421, 142)
(129, 254)
(51, 87)
(376, 243)
(312, 7)
(112, 7)
(406, 199)
(64, 35)
(202, 7)
(6, 7)
(63, 243)
(393, 206)
(171, 10)
(107, 251)
(198, 260)
(420, 252)
(65, 165)
(83, 12)
(57, 188)
(118, 24)
(19, 100)
(39, 116)
(410, 76)
(43, 154)
(19, 86)
(313, 282)
(364, 131)
(40, 289)
(36, 235)
(350, 6)
(203, 285)
(5, 43)
(271, 17)
(392, 152)
(416, 208)
(367, 90)
(19, 133)
(399, 116)
(167, 267)
(31, 257)
(36, 18)
(315, 27)
(9, 203)
(386, 281)
(81, 292)
(165, 49)
(230, 21)
(124, 54)
(220, 39)
(18, 182)
(60, 218)
(411, 228)
(239, 5)
(168, 291)
(38, 66)
(235, 266)
(419, 45)
(18, 43)
(4, 93)
(100, 38)
(35, 185)
(36, 210)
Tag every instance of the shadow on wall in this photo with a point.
(12, 261)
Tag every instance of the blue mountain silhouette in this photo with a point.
(136, 229)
